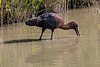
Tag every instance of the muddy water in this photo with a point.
(20, 47)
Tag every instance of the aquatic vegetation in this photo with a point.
(0, 3)
(13, 11)
(19, 10)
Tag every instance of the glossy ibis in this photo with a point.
(51, 21)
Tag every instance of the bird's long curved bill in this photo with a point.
(77, 32)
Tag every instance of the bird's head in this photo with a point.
(31, 22)
(73, 25)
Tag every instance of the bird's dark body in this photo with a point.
(51, 21)
(47, 21)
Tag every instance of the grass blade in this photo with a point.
(0, 3)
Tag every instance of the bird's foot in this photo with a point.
(51, 39)
(40, 39)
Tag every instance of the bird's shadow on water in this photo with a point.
(22, 41)
(28, 40)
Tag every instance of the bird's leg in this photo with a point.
(43, 29)
(52, 33)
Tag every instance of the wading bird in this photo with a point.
(51, 21)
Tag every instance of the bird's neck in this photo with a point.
(65, 27)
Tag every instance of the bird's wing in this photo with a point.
(48, 21)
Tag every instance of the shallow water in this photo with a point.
(20, 47)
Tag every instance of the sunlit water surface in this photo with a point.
(20, 47)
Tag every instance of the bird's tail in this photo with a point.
(31, 22)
